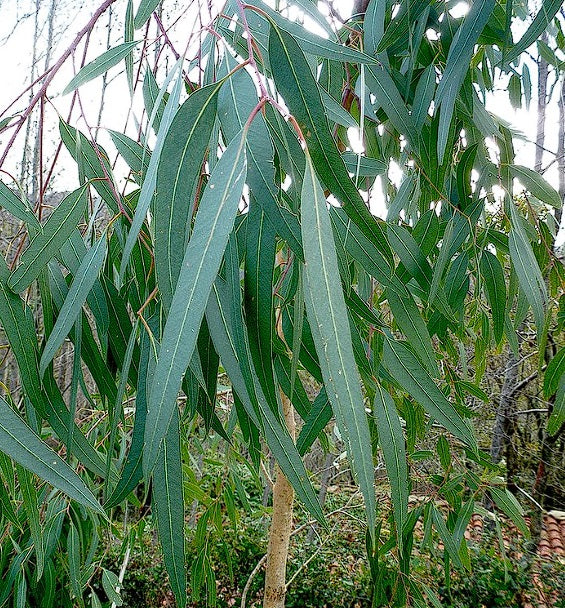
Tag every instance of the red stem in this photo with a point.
(51, 72)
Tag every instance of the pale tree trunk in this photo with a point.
(542, 106)
(25, 173)
(104, 76)
(360, 7)
(37, 182)
(561, 151)
(281, 526)
(506, 400)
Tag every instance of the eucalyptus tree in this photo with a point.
(243, 242)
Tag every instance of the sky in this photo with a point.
(17, 22)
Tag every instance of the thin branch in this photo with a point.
(50, 74)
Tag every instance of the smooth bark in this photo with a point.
(281, 527)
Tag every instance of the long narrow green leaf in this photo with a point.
(136, 156)
(213, 224)
(260, 247)
(236, 101)
(179, 167)
(527, 269)
(239, 368)
(144, 10)
(391, 440)
(364, 251)
(72, 307)
(92, 162)
(12, 203)
(312, 43)
(21, 444)
(555, 369)
(547, 11)
(450, 546)
(19, 327)
(31, 507)
(557, 417)
(537, 185)
(167, 500)
(148, 187)
(300, 91)
(46, 244)
(423, 96)
(511, 507)
(132, 471)
(320, 414)
(410, 255)
(410, 322)
(405, 368)
(460, 53)
(72, 254)
(382, 86)
(495, 285)
(329, 321)
(100, 65)
(402, 22)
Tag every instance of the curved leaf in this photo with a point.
(239, 368)
(527, 269)
(100, 65)
(144, 10)
(555, 369)
(300, 91)
(167, 500)
(391, 440)
(405, 368)
(328, 316)
(84, 279)
(495, 284)
(457, 65)
(47, 243)
(179, 167)
(547, 11)
(537, 185)
(213, 224)
(21, 444)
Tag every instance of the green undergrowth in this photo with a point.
(331, 570)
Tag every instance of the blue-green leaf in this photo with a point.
(82, 284)
(460, 53)
(239, 367)
(495, 285)
(557, 417)
(327, 312)
(167, 499)
(148, 187)
(47, 243)
(179, 167)
(391, 440)
(405, 368)
(21, 444)
(547, 11)
(537, 185)
(508, 504)
(17, 207)
(213, 224)
(527, 269)
(100, 65)
(144, 10)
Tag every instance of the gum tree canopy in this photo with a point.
(242, 242)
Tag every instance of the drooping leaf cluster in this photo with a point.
(225, 252)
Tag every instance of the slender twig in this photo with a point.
(50, 74)
(250, 579)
